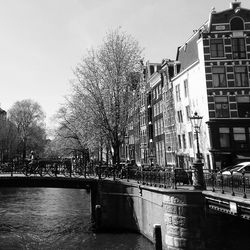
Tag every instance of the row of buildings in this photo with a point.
(210, 76)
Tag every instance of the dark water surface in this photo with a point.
(51, 218)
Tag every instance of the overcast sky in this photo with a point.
(43, 40)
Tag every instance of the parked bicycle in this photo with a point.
(32, 167)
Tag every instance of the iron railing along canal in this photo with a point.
(236, 185)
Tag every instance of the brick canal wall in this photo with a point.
(130, 207)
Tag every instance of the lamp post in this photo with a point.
(151, 157)
(198, 177)
(171, 154)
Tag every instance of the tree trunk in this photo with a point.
(24, 148)
(117, 152)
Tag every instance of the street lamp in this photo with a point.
(198, 177)
(196, 124)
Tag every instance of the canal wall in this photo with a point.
(129, 206)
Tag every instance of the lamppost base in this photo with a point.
(198, 177)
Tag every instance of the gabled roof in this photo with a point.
(188, 53)
(226, 15)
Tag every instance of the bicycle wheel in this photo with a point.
(27, 170)
(51, 170)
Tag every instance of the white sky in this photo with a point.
(43, 40)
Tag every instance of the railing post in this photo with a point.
(70, 169)
(138, 176)
(232, 183)
(114, 169)
(164, 179)
(127, 172)
(99, 172)
(11, 169)
(143, 177)
(174, 179)
(244, 184)
(222, 184)
(56, 169)
(151, 178)
(85, 170)
(213, 180)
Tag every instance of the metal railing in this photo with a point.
(236, 185)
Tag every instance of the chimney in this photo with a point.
(235, 5)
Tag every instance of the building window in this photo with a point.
(239, 136)
(238, 48)
(241, 79)
(237, 24)
(156, 92)
(162, 126)
(156, 128)
(219, 76)
(190, 139)
(178, 93)
(221, 106)
(179, 115)
(179, 141)
(188, 112)
(184, 141)
(186, 87)
(159, 126)
(224, 137)
(243, 103)
(216, 48)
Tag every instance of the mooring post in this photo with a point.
(97, 217)
(157, 237)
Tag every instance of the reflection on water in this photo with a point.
(50, 218)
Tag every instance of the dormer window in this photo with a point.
(237, 24)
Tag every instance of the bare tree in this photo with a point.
(28, 117)
(104, 86)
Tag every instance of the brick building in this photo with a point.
(214, 81)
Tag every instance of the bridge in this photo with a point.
(145, 198)
(231, 195)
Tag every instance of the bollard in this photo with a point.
(157, 237)
(97, 217)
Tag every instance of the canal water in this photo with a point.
(50, 218)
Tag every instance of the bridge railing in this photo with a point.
(215, 181)
(163, 179)
(228, 184)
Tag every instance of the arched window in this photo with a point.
(237, 24)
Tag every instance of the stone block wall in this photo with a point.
(127, 206)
